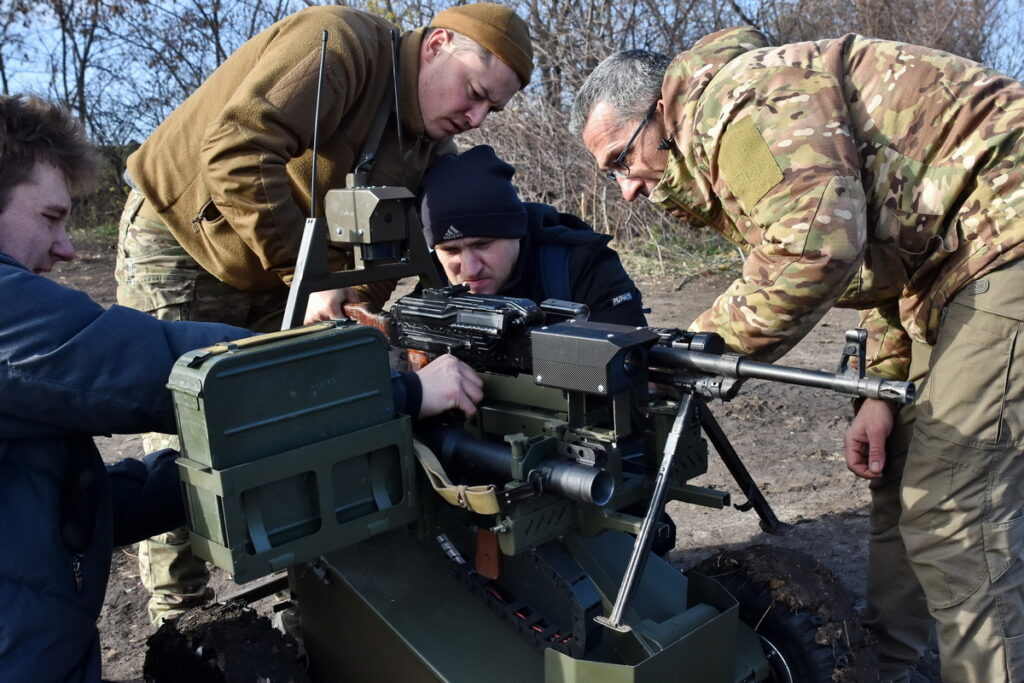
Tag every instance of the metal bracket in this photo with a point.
(854, 347)
(531, 488)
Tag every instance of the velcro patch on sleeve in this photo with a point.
(746, 163)
(622, 298)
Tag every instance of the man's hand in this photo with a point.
(327, 305)
(449, 383)
(865, 439)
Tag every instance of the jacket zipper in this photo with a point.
(76, 572)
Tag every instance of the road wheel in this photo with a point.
(787, 636)
(804, 616)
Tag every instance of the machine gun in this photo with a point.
(600, 369)
(321, 479)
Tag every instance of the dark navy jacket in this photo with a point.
(590, 268)
(69, 369)
(561, 257)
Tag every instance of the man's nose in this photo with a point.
(630, 187)
(62, 249)
(477, 113)
(470, 265)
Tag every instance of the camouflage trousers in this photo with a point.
(154, 274)
(947, 517)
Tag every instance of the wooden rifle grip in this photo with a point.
(365, 314)
(417, 359)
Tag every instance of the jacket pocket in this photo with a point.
(881, 278)
(912, 201)
(1015, 657)
(209, 216)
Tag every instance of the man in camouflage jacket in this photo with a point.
(884, 177)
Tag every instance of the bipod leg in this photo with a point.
(642, 547)
(755, 499)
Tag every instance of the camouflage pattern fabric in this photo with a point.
(855, 172)
(154, 274)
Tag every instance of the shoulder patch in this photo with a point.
(746, 163)
(622, 298)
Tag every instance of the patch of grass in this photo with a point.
(95, 231)
(100, 237)
(677, 251)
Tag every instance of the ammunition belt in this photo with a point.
(574, 632)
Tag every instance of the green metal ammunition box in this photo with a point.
(291, 447)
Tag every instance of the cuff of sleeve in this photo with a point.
(858, 402)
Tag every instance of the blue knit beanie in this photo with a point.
(471, 195)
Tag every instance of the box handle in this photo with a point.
(259, 340)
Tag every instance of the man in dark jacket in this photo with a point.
(484, 236)
(70, 369)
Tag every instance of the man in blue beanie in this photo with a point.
(484, 236)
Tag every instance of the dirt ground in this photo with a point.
(789, 437)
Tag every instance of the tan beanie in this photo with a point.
(497, 28)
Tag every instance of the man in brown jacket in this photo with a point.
(221, 188)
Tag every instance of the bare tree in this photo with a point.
(14, 19)
(963, 27)
(123, 65)
(78, 23)
(174, 45)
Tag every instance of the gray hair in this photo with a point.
(629, 81)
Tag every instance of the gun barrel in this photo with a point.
(738, 367)
(577, 482)
(460, 451)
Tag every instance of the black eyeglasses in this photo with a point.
(619, 169)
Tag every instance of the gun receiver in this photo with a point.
(487, 332)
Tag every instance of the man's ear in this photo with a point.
(434, 43)
(666, 135)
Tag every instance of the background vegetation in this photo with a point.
(123, 65)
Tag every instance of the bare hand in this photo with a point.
(865, 439)
(327, 305)
(449, 383)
